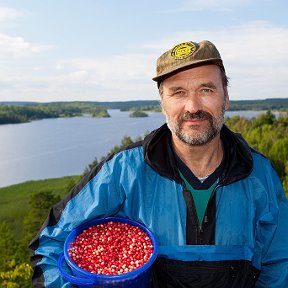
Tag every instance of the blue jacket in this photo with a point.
(243, 237)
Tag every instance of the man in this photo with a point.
(216, 206)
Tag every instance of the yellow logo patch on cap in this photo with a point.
(183, 50)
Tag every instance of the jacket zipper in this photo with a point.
(199, 233)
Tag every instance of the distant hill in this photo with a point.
(24, 103)
(128, 105)
(267, 104)
(145, 105)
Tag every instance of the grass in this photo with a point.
(14, 199)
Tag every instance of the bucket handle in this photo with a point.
(70, 278)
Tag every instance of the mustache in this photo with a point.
(200, 114)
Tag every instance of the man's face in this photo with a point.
(194, 102)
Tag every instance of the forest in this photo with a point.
(153, 105)
(12, 113)
(24, 207)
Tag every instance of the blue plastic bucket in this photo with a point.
(140, 277)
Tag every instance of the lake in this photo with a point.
(53, 148)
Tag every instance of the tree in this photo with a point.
(39, 205)
(13, 271)
(268, 135)
(18, 276)
(279, 156)
(267, 118)
(7, 245)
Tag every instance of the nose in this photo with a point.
(193, 103)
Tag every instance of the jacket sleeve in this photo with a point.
(274, 266)
(96, 196)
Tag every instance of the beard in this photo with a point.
(197, 137)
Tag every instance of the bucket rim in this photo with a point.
(102, 277)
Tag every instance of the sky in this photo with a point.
(92, 50)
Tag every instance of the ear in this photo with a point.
(227, 101)
(162, 107)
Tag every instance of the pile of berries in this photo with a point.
(111, 248)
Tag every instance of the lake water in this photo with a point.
(52, 148)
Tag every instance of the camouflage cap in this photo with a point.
(186, 55)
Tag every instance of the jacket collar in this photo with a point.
(238, 162)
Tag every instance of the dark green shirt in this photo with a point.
(200, 197)
(200, 190)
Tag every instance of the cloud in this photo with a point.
(110, 78)
(12, 46)
(224, 5)
(254, 53)
(256, 42)
(15, 47)
(7, 13)
(110, 71)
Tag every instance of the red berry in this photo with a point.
(111, 248)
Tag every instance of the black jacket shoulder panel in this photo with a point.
(239, 162)
(158, 155)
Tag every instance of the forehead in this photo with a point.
(205, 73)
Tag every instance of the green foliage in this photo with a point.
(14, 200)
(138, 113)
(17, 276)
(39, 205)
(10, 114)
(153, 105)
(268, 135)
(17, 114)
(14, 268)
(7, 245)
(14, 272)
(90, 166)
(72, 109)
(144, 105)
(264, 105)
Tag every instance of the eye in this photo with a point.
(179, 93)
(207, 90)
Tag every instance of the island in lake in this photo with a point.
(138, 113)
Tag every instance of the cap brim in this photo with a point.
(161, 77)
